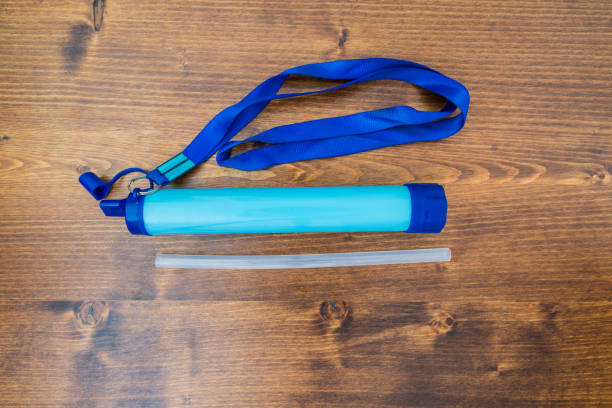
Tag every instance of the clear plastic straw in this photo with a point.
(303, 261)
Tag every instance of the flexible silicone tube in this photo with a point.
(410, 208)
(303, 261)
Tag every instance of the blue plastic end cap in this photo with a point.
(130, 208)
(133, 215)
(428, 208)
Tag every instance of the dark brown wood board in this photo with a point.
(521, 317)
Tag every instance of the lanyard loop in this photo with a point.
(324, 137)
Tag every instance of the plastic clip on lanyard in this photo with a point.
(307, 140)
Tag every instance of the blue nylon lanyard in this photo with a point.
(317, 138)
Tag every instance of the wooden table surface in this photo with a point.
(521, 317)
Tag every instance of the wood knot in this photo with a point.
(597, 174)
(442, 322)
(600, 178)
(336, 314)
(92, 314)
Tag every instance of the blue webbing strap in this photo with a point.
(324, 137)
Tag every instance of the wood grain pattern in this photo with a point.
(522, 316)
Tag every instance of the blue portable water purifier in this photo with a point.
(411, 208)
(419, 208)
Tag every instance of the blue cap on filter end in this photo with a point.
(131, 208)
(134, 219)
(428, 208)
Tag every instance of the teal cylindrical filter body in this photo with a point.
(410, 208)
